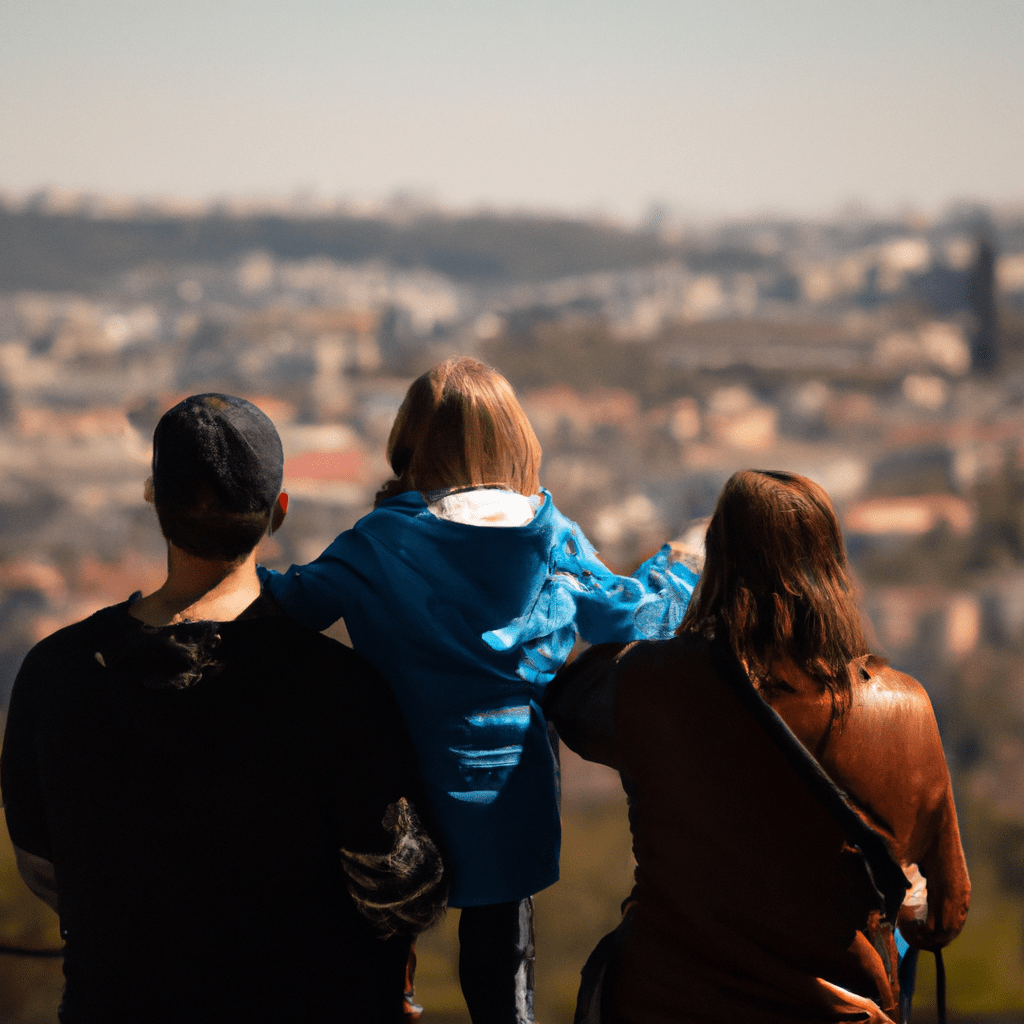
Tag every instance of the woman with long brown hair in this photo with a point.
(776, 588)
(761, 890)
(466, 588)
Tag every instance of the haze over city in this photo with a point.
(695, 236)
(733, 108)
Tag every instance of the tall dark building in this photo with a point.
(981, 301)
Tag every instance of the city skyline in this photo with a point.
(735, 108)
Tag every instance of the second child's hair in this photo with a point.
(461, 425)
(776, 584)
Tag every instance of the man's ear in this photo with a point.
(280, 511)
(147, 490)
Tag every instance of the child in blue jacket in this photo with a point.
(466, 588)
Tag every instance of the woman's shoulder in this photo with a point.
(642, 656)
(875, 684)
(653, 660)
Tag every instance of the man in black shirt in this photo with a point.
(219, 803)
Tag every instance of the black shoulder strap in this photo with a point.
(882, 867)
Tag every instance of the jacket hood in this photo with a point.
(163, 657)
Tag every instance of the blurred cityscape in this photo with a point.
(882, 357)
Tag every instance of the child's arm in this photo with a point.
(314, 594)
(648, 605)
(582, 595)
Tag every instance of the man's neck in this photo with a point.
(199, 588)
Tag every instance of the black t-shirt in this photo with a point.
(193, 786)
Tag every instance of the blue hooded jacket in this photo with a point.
(469, 624)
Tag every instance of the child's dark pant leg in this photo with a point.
(496, 962)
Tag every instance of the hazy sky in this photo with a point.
(713, 107)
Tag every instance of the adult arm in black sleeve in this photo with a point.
(39, 875)
(392, 864)
(580, 703)
(19, 779)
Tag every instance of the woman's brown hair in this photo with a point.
(776, 584)
(461, 425)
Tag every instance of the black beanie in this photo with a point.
(220, 442)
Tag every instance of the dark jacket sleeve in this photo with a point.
(390, 857)
(580, 703)
(19, 773)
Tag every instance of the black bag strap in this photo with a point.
(883, 869)
(908, 975)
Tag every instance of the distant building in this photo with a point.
(981, 301)
(910, 516)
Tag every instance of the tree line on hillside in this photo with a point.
(76, 251)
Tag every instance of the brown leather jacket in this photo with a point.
(887, 755)
(749, 902)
